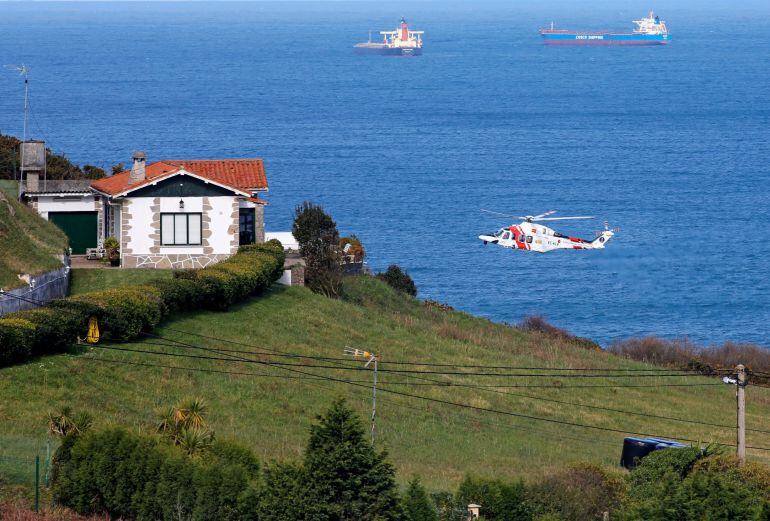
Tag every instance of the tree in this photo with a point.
(93, 172)
(346, 475)
(57, 165)
(417, 504)
(399, 280)
(318, 238)
(284, 495)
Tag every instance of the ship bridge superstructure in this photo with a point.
(652, 24)
(402, 37)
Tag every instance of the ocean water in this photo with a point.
(669, 143)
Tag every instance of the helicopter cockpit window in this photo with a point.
(507, 235)
(529, 239)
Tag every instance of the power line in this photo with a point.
(448, 384)
(393, 362)
(392, 402)
(448, 373)
(438, 400)
(453, 384)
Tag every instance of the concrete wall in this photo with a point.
(47, 286)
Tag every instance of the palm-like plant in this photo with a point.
(195, 441)
(65, 423)
(192, 413)
(185, 425)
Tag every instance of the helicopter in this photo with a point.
(534, 237)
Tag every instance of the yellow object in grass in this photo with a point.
(93, 331)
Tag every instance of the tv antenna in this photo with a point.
(23, 70)
(371, 359)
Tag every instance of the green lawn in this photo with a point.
(28, 243)
(272, 413)
(95, 279)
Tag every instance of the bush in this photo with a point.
(54, 331)
(399, 280)
(580, 493)
(682, 354)
(240, 276)
(124, 313)
(500, 501)
(538, 324)
(16, 337)
(178, 294)
(688, 484)
(136, 477)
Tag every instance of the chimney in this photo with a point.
(33, 182)
(137, 170)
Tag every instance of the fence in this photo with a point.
(42, 288)
(26, 470)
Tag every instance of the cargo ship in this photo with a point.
(649, 31)
(401, 42)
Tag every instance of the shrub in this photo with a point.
(123, 313)
(538, 324)
(682, 354)
(582, 492)
(135, 477)
(16, 336)
(54, 331)
(500, 501)
(178, 294)
(688, 484)
(399, 280)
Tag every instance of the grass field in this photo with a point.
(94, 279)
(440, 442)
(28, 242)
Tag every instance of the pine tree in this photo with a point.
(347, 477)
(417, 504)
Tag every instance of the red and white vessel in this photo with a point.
(401, 42)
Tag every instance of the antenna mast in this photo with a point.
(23, 70)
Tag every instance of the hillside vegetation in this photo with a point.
(270, 409)
(28, 243)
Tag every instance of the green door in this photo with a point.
(80, 227)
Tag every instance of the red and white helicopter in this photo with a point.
(534, 237)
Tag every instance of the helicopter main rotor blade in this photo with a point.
(498, 213)
(544, 214)
(564, 218)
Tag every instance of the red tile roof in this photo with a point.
(245, 175)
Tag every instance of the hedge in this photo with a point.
(130, 476)
(124, 313)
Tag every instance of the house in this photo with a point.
(70, 204)
(166, 214)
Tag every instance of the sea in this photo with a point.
(670, 144)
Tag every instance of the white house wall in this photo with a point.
(140, 231)
(47, 204)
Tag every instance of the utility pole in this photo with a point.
(373, 360)
(741, 420)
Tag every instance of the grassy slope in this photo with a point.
(28, 242)
(95, 279)
(439, 442)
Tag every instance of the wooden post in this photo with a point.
(741, 420)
